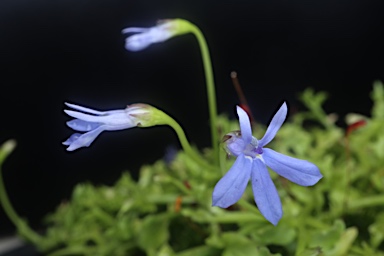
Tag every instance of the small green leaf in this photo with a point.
(153, 232)
(312, 252)
(204, 250)
(241, 250)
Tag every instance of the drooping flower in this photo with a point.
(251, 164)
(93, 122)
(143, 37)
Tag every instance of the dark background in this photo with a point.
(57, 51)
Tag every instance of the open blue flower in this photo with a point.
(93, 122)
(251, 164)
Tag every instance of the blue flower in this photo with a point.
(251, 164)
(93, 122)
(144, 37)
(147, 36)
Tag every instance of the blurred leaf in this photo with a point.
(241, 250)
(153, 232)
(377, 96)
(343, 245)
(200, 251)
(326, 239)
(376, 231)
(312, 252)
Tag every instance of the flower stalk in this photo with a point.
(185, 144)
(165, 30)
(211, 92)
(22, 226)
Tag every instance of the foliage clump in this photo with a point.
(168, 211)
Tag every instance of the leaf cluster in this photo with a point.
(167, 210)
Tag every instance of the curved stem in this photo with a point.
(20, 224)
(185, 144)
(371, 201)
(211, 93)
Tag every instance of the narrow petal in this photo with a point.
(275, 125)
(84, 140)
(82, 116)
(265, 193)
(245, 125)
(148, 36)
(137, 42)
(71, 139)
(163, 31)
(235, 146)
(84, 109)
(92, 111)
(231, 187)
(134, 30)
(296, 170)
(82, 126)
(119, 116)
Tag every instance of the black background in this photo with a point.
(57, 51)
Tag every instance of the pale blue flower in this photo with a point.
(141, 38)
(251, 164)
(93, 122)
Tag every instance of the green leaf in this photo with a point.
(377, 96)
(241, 250)
(153, 232)
(282, 234)
(237, 244)
(203, 250)
(326, 239)
(376, 231)
(343, 245)
(312, 252)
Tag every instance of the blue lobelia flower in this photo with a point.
(93, 122)
(141, 38)
(147, 36)
(251, 164)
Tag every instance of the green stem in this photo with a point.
(301, 240)
(185, 144)
(377, 200)
(211, 93)
(176, 183)
(238, 217)
(168, 198)
(20, 224)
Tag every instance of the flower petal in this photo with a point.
(92, 111)
(296, 170)
(82, 126)
(137, 42)
(245, 125)
(117, 120)
(235, 145)
(265, 193)
(82, 116)
(274, 126)
(146, 37)
(71, 139)
(84, 109)
(84, 140)
(134, 30)
(231, 187)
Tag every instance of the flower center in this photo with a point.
(235, 145)
(253, 149)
